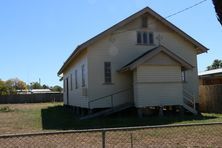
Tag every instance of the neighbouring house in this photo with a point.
(36, 91)
(143, 61)
(210, 77)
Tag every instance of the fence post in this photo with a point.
(103, 139)
(131, 139)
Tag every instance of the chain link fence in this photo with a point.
(187, 135)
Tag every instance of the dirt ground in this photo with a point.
(24, 118)
(191, 136)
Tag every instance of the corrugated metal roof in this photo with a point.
(210, 72)
(40, 90)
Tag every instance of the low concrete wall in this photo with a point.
(31, 98)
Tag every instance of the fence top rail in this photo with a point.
(107, 129)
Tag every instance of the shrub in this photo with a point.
(6, 109)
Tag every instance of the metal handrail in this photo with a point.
(192, 100)
(111, 95)
(189, 100)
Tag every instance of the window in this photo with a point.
(151, 41)
(76, 79)
(107, 72)
(144, 22)
(71, 81)
(183, 76)
(64, 84)
(139, 39)
(145, 38)
(83, 76)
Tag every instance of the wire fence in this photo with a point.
(188, 135)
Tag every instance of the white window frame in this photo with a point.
(183, 76)
(145, 38)
(83, 76)
(107, 72)
(76, 79)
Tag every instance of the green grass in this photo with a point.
(53, 116)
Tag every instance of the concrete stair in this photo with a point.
(109, 111)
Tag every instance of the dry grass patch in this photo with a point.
(19, 118)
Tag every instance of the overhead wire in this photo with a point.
(171, 15)
(185, 9)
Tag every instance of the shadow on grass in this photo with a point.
(61, 118)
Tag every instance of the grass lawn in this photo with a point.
(17, 118)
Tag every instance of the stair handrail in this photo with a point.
(111, 97)
(189, 98)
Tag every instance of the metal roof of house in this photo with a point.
(40, 90)
(210, 72)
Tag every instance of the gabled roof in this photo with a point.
(151, 53)
(201, 48)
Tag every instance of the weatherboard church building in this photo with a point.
(143, 61)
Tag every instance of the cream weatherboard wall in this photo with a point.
(158, 85)
(77, 94)
(158, 82)
(119, 48)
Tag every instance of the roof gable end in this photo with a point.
(150, 54)
(201, 48)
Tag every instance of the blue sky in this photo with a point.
(36, 36)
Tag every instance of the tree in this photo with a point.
(10, 86)
(16, 84)
(215, 65)
(3, 89)
(56, 88)
(45, 86)
(35, 85)
(218, 9)
(20, 85)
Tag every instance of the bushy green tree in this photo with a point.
(56, 88)
(20, 85)
(35, 85)
(45, 86)
(215, 65)
(10, 85)
(3, 89)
